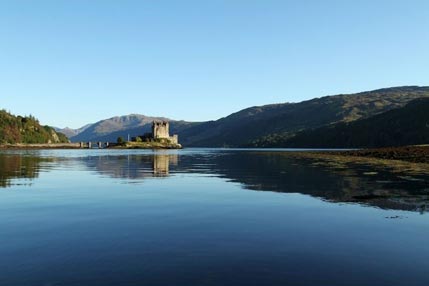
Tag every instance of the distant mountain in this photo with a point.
(133, 125)
(253, 126)
(70, 132)
(19, 129)
(403, 126)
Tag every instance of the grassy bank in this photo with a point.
(147, 145)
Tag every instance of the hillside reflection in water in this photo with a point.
(273, 172)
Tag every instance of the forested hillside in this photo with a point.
(27, 129)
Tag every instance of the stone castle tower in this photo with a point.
(161, 130)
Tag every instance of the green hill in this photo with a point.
(18, 129)
(408, 125)
(255, 126)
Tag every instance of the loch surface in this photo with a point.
(207, 217)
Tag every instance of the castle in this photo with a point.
(160, 131)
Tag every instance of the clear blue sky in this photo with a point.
(75, 62)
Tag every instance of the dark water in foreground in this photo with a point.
(207, 217)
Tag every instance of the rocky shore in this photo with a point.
(407, 160)
(414, 154)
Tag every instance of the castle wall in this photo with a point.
(174, 139)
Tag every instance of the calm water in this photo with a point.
(207, 217)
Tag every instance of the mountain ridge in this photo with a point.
(289, 118)
(246, 126)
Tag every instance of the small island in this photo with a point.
(159, 138)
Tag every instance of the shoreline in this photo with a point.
(412, 154)
(21, 146)
(146, 145)
(408, 160)
(73, 146)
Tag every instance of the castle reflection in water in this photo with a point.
(133, 166)
(161, 164)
